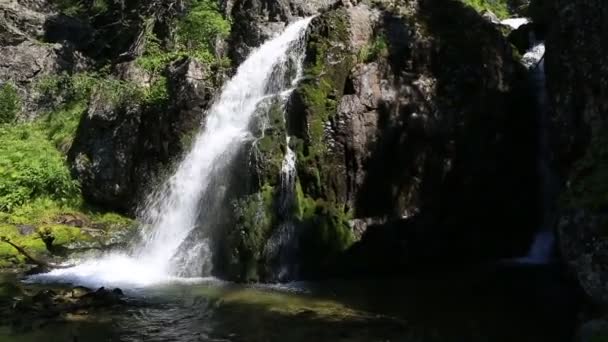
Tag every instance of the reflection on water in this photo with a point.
(490, 304)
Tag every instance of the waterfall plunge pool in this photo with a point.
(486, 303)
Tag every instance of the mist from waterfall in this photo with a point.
(172, 213)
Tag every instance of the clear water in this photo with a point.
(523, 304)
(171, 214)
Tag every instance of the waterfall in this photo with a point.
(282, 247)
(172, 213)
(541, 249)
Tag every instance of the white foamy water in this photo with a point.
(172, 212)
(533, 57)
(515, 23)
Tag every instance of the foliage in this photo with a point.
(195, 37)
(203, 24)
(81, 8)
(10, 103)
(498, 7)
(31, 167)
(374, 50)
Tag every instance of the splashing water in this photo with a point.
(172, 212)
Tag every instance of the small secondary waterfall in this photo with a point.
(541, 250)
(283, 247)
(171, 214)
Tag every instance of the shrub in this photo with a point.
(195, 37)
(10, 103)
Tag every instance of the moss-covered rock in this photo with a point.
(246, 241)
(50, 232)
(329, 59)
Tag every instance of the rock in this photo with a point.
(131, 72)
(490, 17)
(25, 229)
(576, 66)
(19, 22)
(254, 21)
(412, 131)
(584, 248)
(592, 331)
(79, 291)
(103, 153)
(24, 64)
(119, 147)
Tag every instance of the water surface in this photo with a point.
(530, 303)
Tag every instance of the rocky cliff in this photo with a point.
(577, 75)
(411, 136)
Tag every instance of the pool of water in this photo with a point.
(495, 303)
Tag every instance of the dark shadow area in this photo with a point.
(466, 160)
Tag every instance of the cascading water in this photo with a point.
(541, 250)
(282, 247)
(172, 213)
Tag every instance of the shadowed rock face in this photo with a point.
(577, 76)
(416, 118)
(118, 147)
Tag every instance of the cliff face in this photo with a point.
(413, 122)
(413, 127)
(577, 76)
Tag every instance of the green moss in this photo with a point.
(10, 103)
(329, 63)
(498, 7)
(45, 217)
(62, 234)
(254, 222)
(31, 243)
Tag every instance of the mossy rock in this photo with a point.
(244, 244)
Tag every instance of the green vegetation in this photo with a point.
(195, 37)
(498, 7)
(588, 186)
(31, 167)
(81, 8)
(10, 103)
(36, 188)
(376, 49)
(54, 225)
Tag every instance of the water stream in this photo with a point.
(542, 248)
